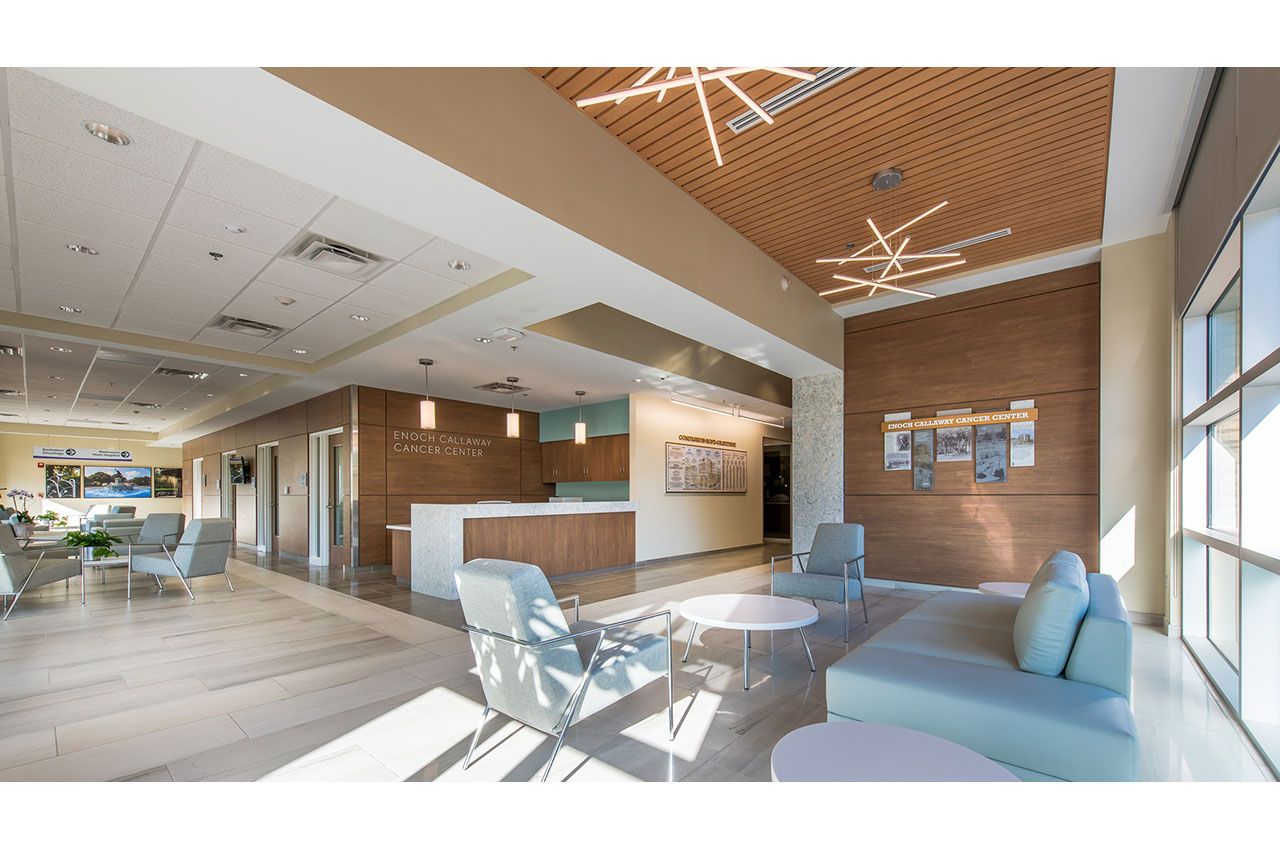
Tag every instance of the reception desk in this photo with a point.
(560, 537)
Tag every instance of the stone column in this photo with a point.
(817, 455)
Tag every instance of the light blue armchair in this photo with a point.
(19, 574)
(537, 669)
(203, 550)
(833, 572)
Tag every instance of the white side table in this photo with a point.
(1004, 588)
(849, 751)
(750, 612)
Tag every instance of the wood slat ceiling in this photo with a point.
(1024, 148)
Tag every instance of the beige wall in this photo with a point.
(672, 524)
(18, 469)
(1135, 409)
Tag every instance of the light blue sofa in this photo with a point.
(1039, 685)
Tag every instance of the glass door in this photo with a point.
(340, 547)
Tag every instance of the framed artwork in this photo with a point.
(166, 482)
(61, 481)
(117, 482)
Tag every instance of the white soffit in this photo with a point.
(308, 136)
(1154, 115)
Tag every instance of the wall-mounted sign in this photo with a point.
(706, 441)
(82, 454)
(997, 417)
(694, 469)
(438, 443)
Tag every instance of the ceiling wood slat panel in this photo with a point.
(1024, 148)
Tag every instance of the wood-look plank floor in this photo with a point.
(287, 680)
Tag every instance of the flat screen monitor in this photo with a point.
(239, 470)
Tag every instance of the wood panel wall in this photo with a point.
(1035, 338)
(390, 480)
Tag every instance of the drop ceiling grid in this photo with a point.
(1024, 148)
(175, 267)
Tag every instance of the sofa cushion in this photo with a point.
(1052, 726)
(1045, 628)
(972, 644)
(968, 609)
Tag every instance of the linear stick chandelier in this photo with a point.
(698, 78)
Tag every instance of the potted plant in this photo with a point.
(99, 541)
(55, 520)
(21, 519)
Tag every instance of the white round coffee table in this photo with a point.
(750, 612)
(849, 751)
(1004, 588)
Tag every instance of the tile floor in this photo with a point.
(289, 680)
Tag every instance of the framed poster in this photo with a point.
(61, 481)
(166, 482)
(921, 460)
(990, 463)
(117, 482)
(697, 469)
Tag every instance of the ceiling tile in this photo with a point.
(54, 209)
(265, 294)
(315, 349)
(70, 270)
(195, 248)
(285, 317)
(53, 242)
(6, 257)
(227, 339)
(367, 230)
(304, 278)
(177, 273)
(340, 314)
(73, 173)
(436, 255)
(46, 109)
(132, 321)
(97, 314)
(417, 284)
(8, 299)
(370, 297)
(246, 184)
(151, 308)
(5, 238)
(166, 295)
(207, 216)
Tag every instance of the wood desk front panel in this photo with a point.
(559, 543)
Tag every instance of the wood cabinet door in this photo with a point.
(550, 472)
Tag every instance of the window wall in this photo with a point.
(1230, 471)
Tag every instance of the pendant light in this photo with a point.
(513, 418)
(580, 427)
(426, 407)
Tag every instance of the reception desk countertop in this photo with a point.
(442, 539)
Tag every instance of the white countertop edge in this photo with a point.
(521, 509)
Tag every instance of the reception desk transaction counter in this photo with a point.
(559, 537)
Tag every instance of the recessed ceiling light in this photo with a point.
(233, 228)
(54, 396)
(638, 380)
(64, 308)
(107, 133)
(244, 374)
(359, 318)
(285, 300)
(56, 377)
(60, 348)
(299, 351)
(483, 339)
(210, 395)
(460, 265)
(82, 249)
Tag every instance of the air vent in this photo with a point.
(954, 246)
(8, 414)
(503, 388)
(248, 327)
(10, 392)
(11, 350)
(181, 373)
(146, 405)
(127, 357)
(792, 96)
(321, 253)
